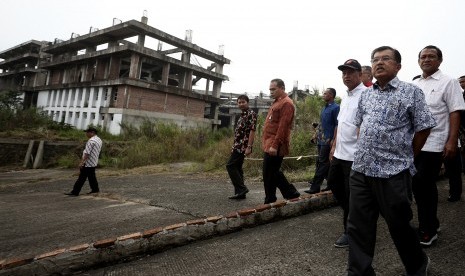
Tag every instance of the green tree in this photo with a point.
(10, 99)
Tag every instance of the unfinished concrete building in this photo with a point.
(111, 77)
(20, 70)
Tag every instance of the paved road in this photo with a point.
(36, 217)
(298, 246)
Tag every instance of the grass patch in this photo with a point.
(162, 145)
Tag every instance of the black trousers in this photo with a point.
(234, 168)
(322, 167)
(390, 197)
(338, 182)
(454, 171)
(428, 165)
(86, 173)
(274, 178)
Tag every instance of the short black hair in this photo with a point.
(462, 77)
(243, 97)
(332, 90)
(366, 67)
(438, 51)
(397, 55)
(279, 83)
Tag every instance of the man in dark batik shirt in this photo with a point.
(244, 135)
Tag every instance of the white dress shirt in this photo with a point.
(346, 137)
(443, 95)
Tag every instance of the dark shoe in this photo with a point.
(295, 195)
(311, 192)
(268, 201)
(326, 189)
(342, 242)
(240, 195)
(423, 269)
(427, 239)
(93, 192)
(453, 198)
(237, 196)
(71, 194)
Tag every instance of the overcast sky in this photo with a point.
(300, 40)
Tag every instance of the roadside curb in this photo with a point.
(116, 249)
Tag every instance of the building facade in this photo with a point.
(110, 77)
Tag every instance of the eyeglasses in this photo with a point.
(383, 59)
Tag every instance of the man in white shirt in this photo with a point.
(89, 162)
(444, 98)
(345, 141)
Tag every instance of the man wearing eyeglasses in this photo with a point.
(394, 122)
(276, 142)
(444, 98)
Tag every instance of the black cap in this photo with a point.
(351, 64)
(91, 129)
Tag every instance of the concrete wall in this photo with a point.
(110, 106)
(12, 152)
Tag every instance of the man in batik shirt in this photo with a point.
(394, 123)
(244, 135)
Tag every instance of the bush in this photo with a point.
(157, 142)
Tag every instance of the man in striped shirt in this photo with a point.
(88, 163)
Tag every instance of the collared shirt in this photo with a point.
(346, 140)
(368, 83)
(388, 120)
(328, 122)
(443, 96)
(246, 123)
(278, 125)
(93, 147)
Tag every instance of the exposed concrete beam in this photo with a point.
(130, 29)
(149, 53)
(172, 51)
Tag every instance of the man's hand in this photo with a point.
(331, 153)
(272, 151)
(450, 150)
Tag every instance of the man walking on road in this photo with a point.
(88, 164)
(394, 122)
(345, 142)
(325, 136)
(444, 98)
(244, 135)
(276, 142)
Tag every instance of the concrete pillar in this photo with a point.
(28, 156)
(141, 37)
(207, 87)
(185, 57)
(100, 69)
(115, 63)
(135, 67)
(188, 80)
(165, 74)
(90, 70)
(91, 49)
(217, 94)
(217, 83)
(39, 155)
